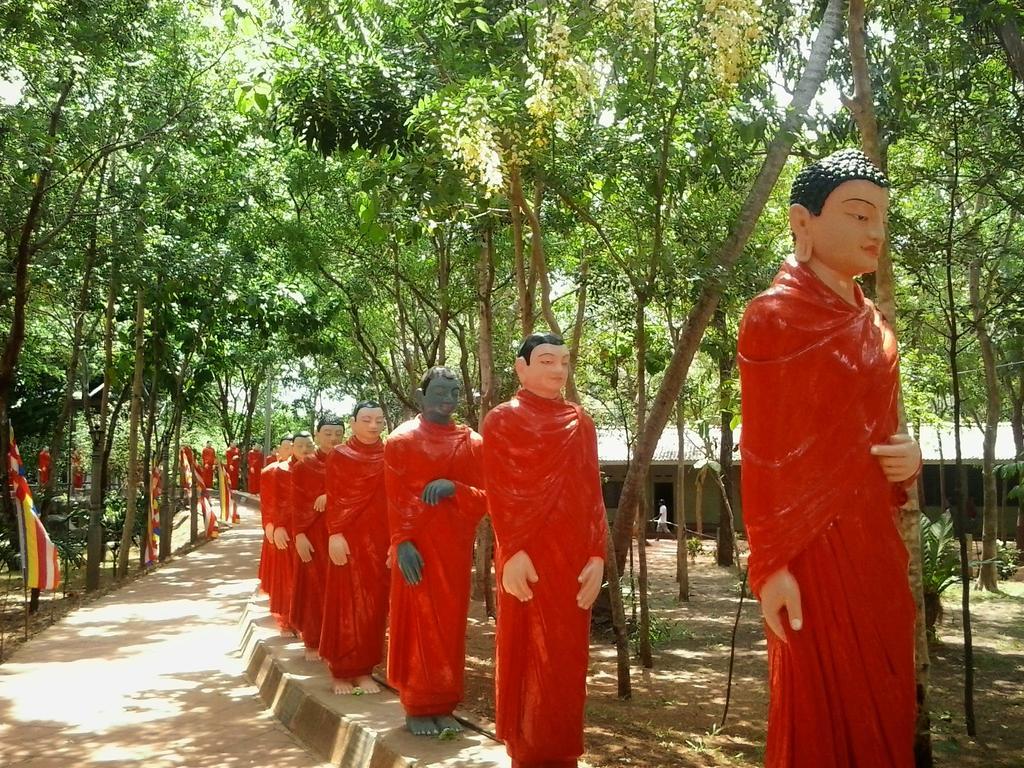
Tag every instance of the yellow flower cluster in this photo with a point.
(730, 28)
(475, 145)
(560, 83)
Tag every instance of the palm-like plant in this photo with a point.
(940, 564)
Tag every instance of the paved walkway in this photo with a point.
(149, 675)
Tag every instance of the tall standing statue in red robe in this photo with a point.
(545, 500)
(232, 461)
(254, 465)
(434, 477)
(209, 462)
(309, 530)
(356, 588)
(284, 574)
(823, 472)
(77, 470)
(44, 466)
(269, 557)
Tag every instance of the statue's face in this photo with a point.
(328, 436)
(546, 373)
(302, 447)
(367, 425)
(848, 235)
(440, 400)
(284, 450)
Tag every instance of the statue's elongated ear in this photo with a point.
(800, 226)
(417, 396)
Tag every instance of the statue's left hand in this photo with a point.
(303, 547)
(436, 490)
(321, 503)
(900, 457)
(410, 563)
(590, 582)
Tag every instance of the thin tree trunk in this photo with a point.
(23, 255)
(726, 555)
(646, 657)
(488, 393)
(94, 551)
(524, 287)
(131, 489)
(988, 576)
(863, 109)
(612, 575)
(682, 565)
(700, 315)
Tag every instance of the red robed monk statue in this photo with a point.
(823, 474)
(44, 466)
(544, 497)
(209, 456)
(309, 531)
(356, 589)
(254, 464)
(434, 480)
(283, 519)
(269, 553)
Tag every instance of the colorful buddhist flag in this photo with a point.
(153, 525)
(225, 492)
(40, 565)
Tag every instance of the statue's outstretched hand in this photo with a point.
(900, 457)
(410, 563)
(780, 592)
(436, 490)
(518, 574)
(304, 547)
(590, 582)
(320, 503)
(281, 538)
(268, 531)
(337, 548)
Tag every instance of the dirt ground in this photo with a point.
(673, 717)
(71, 594)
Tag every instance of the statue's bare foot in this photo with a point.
(312, 655)
(343, 687)
(422, 726)
(448, 723)
(367, 684)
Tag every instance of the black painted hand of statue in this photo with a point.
(410, 563)
(436, 490)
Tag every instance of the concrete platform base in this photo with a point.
(365, 731)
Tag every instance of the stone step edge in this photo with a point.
(331, 734)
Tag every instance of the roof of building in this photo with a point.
(937, 444)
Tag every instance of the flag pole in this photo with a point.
(24, 589)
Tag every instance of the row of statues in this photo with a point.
(365, 533)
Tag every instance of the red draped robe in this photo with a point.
(820, 380)
(268, 552)
(356, 594)
(427, 641)
(232, 458)
(544, 497)
(280, 514)
(307, 610)
(44, 467)
(254, 462)
(209, 461)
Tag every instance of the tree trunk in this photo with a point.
(23, 255)
(98, 432)
(488, 393)
(988, 576)
(612, 576)
(682, 565)
(700, 314)
(132, 486)
(863, 109)
(646, 657)
(524, 285)
(725, 556)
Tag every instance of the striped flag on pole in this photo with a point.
(153, 524)
(228, 507)
(40, 565)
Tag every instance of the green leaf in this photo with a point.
(483, 26)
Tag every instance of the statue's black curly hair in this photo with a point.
(817, 181)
